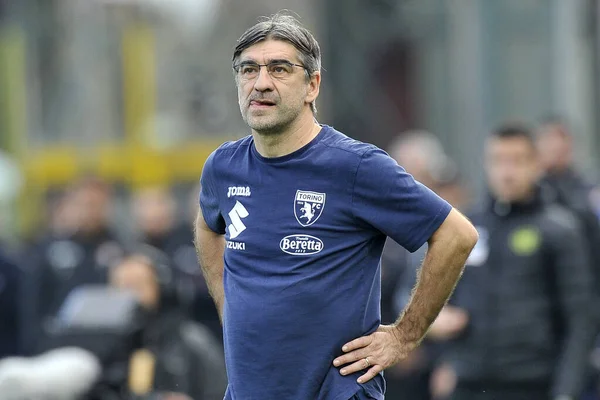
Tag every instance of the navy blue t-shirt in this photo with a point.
(304, 237)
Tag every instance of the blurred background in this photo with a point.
(108, 109)
(138, 92)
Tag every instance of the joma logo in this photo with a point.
(243, 191)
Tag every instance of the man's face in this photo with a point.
(154, 211)
(93, 208)
(512, 168)
(137, 276)
(268, 104)
(415, 160)
(554, 147)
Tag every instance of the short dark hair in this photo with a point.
(285, 28)
(558, 121)
(553, 119)
(514, 130)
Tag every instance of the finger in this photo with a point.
(355, 367)
(357, 344)
(370, 374)
(350, 357)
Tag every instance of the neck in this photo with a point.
(524, 198)
(294, 137)
(559, 169)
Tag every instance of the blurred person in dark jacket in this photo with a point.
(421, 154)
(80, 252)
(174, 354)
(155, 214)
(10, 297)
(555, 144)
(519, 323)
(154, 209)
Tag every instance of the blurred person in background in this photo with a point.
(154, 209)
(519, 325)
(555, 142)
(174, 354)
(155, 212)
(78, 251)
(422, 155)
(10, 305)
(10, 273)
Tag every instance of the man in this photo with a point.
(422, 155)
(520, 328)
(572, 190)
(299, 293)
(555, 145)
(10, 300)
(67, 259)
(155, 209)
(175, 354)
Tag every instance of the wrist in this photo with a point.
(406, 337)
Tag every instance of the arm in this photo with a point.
(572, 285)
(448, 250)
(210, 247)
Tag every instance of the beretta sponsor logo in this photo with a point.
(301, 245)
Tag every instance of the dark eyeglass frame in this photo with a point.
(237, 67)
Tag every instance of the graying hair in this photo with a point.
(285, 28)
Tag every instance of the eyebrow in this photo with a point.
(276, 60)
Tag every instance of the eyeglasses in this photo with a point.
(278, 69)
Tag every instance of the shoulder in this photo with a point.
(558, 220)
(225, 152)
(343, 145)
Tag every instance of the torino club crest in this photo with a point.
(308, 207)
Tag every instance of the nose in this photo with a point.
(263, 82)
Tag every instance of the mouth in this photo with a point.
(262, 104)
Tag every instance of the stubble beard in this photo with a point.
(275, 122)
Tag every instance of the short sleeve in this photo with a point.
(209, 199)
(390, 200)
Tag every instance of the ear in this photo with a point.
(313, 87)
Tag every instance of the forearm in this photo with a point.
(213, 275)
(210, 248)
(437, 278)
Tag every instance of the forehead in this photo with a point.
(551, 132)
(270, 49)
(132, 268)
(513, 144)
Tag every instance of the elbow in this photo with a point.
(468, 238)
